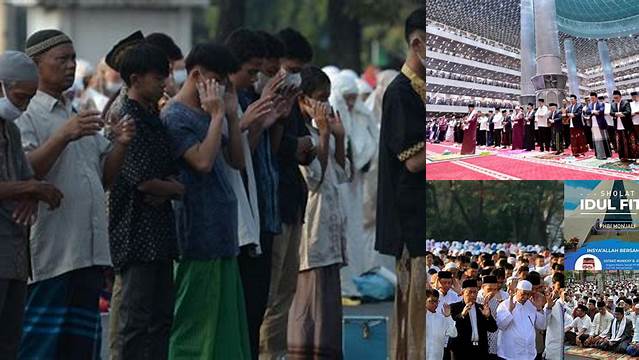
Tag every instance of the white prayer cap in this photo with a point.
(345, 84)
(350, 73)
(364, 87)
(450, 266)
(330, 70)
(636, 306)
(17, 66)
(524, 285)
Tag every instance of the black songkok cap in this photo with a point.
(593, 93)
(619, 309)
(45, 40)
(616, 92)
(634, 93)
(444, 275)
(601, 304)
(114, 56)
(469, 283)
(490, 279)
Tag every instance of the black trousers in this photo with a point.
(497, 137)
(146, 311)
(566, 134)
(256, 279)
(544, 138)
(588, 133)
(12, 297)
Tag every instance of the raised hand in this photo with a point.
(336, 124)
(230, 99)
(259, 111)
(511, 303)
(446, 310)
(466, 309)
(275, 85)
(210, 93)
(124, 130)
(485, 310)
(86, 123)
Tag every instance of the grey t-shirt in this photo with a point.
(14, 166)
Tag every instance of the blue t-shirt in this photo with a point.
(207, 216)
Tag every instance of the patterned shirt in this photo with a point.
(207, 216)
(139, 232)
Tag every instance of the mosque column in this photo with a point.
(571, 64)
(550, 82)
(606, 65)
(527, 52)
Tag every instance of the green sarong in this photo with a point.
(210, 317)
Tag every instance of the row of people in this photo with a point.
(204, 201)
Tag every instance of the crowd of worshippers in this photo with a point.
(224, 188)
(594, 124)
(494, 304)
(603, 317)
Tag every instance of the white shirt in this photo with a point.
(607, 114)
(451, 297)
(516, 340)
(619, 127)
(542, 116)
(635, 337)
(248, 221)
(580, 323)
(555, 332)
(472, 314)
(497, 121)
(75, 235)
(601, 325)
(483, 123)
(634, 106)
(438, 329)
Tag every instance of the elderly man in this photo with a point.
(19, 196)
(517, 319)
(69, 246)
(473, 322)
(440, 326)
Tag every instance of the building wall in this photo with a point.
(94, 30)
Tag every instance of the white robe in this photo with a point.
(555, 332)
(439, 329)
(542, 116)
(362, 137)
(248, 223)
(516, 339)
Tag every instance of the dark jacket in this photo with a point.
(626, 120)
(601, 119)
(577, 109)
(556, 119)
(462, 345)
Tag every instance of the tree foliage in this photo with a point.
(495, 211)
(381, 21)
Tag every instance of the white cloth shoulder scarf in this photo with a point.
(616, 334)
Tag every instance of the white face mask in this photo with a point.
(262, 80)
(294, 79)
(179, 76)
(112, 87)
(8, 110)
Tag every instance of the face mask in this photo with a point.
(8, 111)
(112, 87)
(294, 79)
(179, 76)
(262, 80)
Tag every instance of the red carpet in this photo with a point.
(503, 167)
(532, 171)
(452, 171)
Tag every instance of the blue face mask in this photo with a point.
(8, 110)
